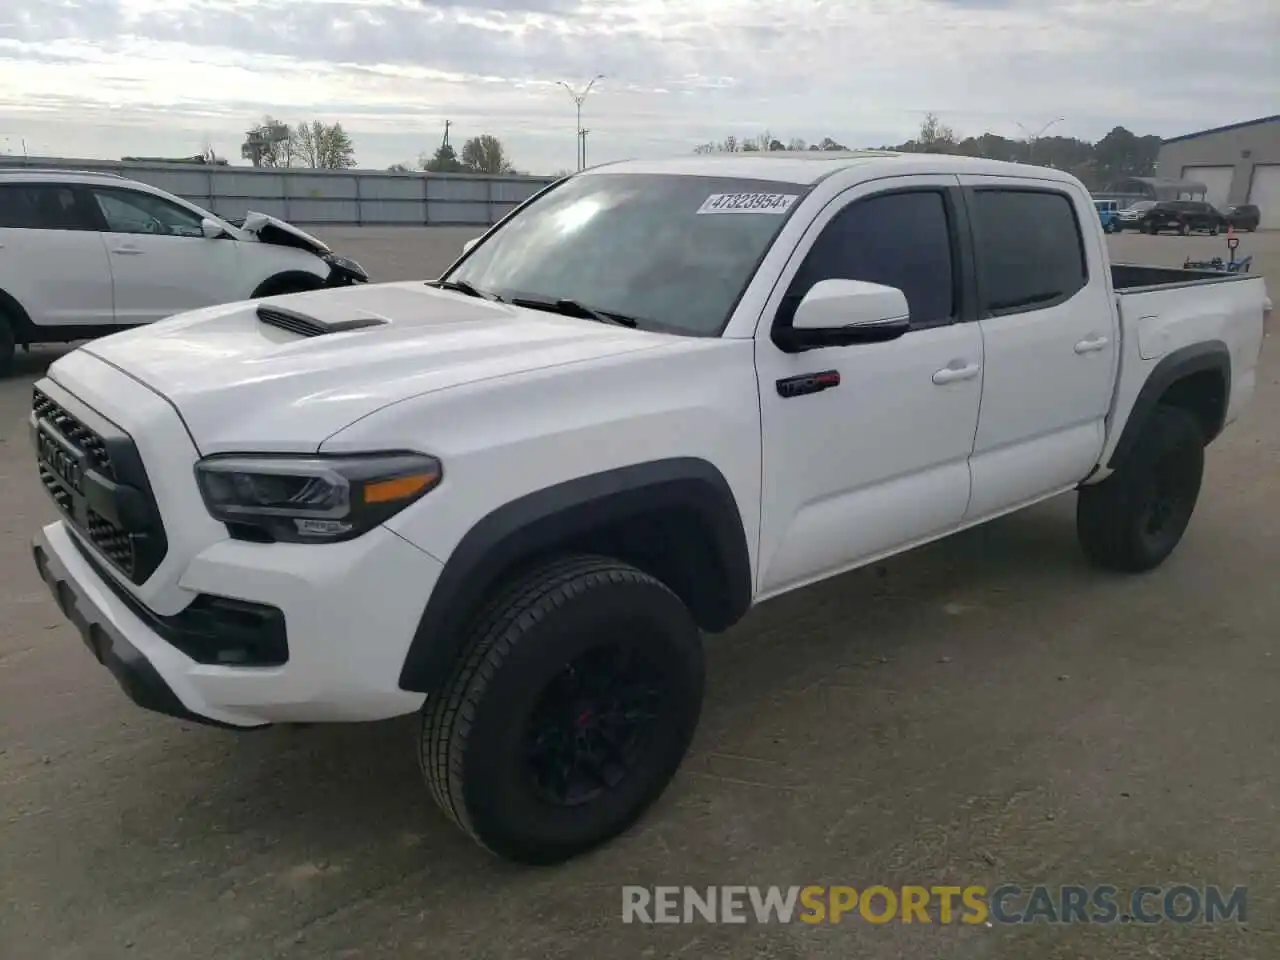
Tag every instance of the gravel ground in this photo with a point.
(982, 710)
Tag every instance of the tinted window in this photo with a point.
(674, 252)
(1030, 250)
(127, 211)
(39, 206)
(900, 240)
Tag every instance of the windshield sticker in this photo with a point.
(775, 203)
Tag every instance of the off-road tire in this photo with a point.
(1161, 475)
(473, 729)
(8, 345)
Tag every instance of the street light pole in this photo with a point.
(578, 97)
(1032, 138)
(583, 136)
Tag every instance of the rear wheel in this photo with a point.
(1134, 519)
(574, 702)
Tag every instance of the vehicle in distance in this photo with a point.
(655, 394)
(86, 254)
(1127, 218)
(1181, 216)
(1108, 215)
(1243, 216)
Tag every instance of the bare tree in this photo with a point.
(322, 146)
(935, 136)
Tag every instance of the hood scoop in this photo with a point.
(305, 325)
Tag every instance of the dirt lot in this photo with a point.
(984, 710)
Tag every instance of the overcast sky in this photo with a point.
(105, 78)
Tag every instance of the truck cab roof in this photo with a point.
(809, 167)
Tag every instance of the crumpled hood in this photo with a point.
(240, 383)
(268, 229)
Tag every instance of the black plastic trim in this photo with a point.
(134, 673)
(130, 489)
(1211, 355)
(308, 326)
(537, 523)
(190, 630)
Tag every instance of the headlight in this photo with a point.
(312, 499)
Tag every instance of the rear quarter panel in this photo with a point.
(1157, 321)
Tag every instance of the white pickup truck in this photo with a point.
(656, 394)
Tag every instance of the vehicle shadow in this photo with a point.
(32, 364)
(326, 829)
(334, 789)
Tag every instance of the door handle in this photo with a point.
(952, 374)
(1091, 345)
(126, 251)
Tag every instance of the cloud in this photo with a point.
(84, 75)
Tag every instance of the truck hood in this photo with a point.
(240, 383)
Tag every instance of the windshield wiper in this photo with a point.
(461, 286)
(572, 308)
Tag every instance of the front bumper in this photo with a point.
(106, 640)
(350, 611)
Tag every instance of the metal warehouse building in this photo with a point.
(1239, 163)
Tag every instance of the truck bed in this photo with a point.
(1165, 311)
(1135, 277)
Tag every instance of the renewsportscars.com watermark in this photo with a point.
(1005, 904)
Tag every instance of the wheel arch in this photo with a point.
(287, 280)
(1196, 378)
(13, 311)
(676, 519)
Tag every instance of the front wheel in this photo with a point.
(573, 704)
(7, 345)
(1134, 519)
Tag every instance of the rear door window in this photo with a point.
(1030, 249)
(43, 206)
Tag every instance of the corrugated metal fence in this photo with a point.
(353, 197)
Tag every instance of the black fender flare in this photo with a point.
(537, 523)
(1210, 356)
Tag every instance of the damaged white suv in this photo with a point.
(659, 392)
(86, 254)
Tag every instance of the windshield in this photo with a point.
(672, 252)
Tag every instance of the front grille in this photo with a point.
(75, 431)
(136, 551)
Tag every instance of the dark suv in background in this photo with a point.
(1184, 216)
(1243, 216)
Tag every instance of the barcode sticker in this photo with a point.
(775, 203)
